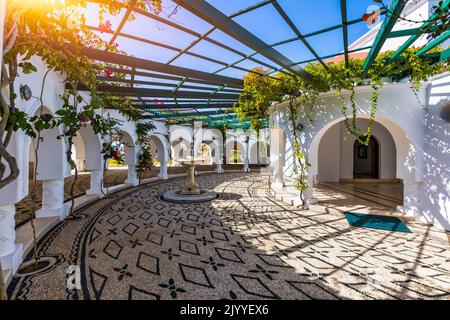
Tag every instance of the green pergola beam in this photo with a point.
(223, 117)
(445, 55)
(391, 18)
(138, 63)
(408, 32)
(344, 29)
(217, 19)
(425, 26)
(327, 57)
(443, 37)
(306, 35)
(296, 31)
(171, 115)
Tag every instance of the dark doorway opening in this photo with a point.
(366, 160)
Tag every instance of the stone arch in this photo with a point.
(180, 131)
(405, 163)
(162, 153)
(129, 147)
(79, 153)
(49, 167)
(181, 148)
(92, 148)
(253, 152)
(336, 153)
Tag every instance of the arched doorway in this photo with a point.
(366, 160)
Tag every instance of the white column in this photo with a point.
(132, 175)
(277, 156)
(308, 193)
(198, 137)
(10, 252)
(246, 156)
(219, 168)
(96, 183)
(53, 200)
(411, 199)
(163, 174)
(80, 163)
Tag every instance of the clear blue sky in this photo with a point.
(265, 23)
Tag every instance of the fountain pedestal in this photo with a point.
(190, 192)
(191, 187)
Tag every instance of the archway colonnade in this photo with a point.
(52, 169)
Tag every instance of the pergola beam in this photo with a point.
(155, 93)
(123, 21)
(138, 63)
(344, 29)
(164, 84)
(169, 47)
(296, 31)
(167, 77)
(171, 115)
(207, 33)
(445, 55)
(219, 120)
(174, 107)
(409, 32)
(193, 33)
(329, 56)
(391, 18)
(216, 18)
(443, 37)
(425, 26)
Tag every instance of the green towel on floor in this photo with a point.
(374, 221)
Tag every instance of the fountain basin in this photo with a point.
(178, 196)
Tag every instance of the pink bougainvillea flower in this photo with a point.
(105, 27)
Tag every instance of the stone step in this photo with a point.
(24, 234)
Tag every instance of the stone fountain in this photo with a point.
(191, 191)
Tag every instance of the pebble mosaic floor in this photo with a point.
(112, 178)
(244, 245)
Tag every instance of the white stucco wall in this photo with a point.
(417, 11)
(398, 111)
(435, 197)
(419, 137)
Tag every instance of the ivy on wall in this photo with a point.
(261, 90)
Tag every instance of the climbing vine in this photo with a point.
(262, 89)
(145, 161)
(55, 32)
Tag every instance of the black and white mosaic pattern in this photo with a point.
(244, 245)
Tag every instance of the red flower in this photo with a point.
(108, 72)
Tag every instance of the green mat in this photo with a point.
(374, 221)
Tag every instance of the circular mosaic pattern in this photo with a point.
(244, 245)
